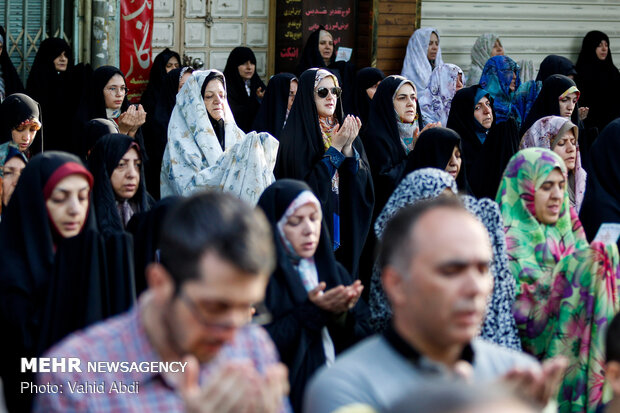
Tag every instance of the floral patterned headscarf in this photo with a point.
(496, 78)
(567, 290)
(435, 100)
(545, 133)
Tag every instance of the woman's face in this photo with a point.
(513, 82)
(11, 170)
(303, 230)
(325, 106)
(68, 204)
(433, 47)
(405, 103)
(483, 112)
(326, 45)
(567, 105)
(566, 147)
(23, 135)
(459, 82)
(291, 93)
(454, 164)
(114, 92)
(372, 90)
(126, 176)
(246, 70)
(498, 49)
(214, 98)
(602, 50)
(61, 62)
(548, 198)
(183, 79)
(172, 63)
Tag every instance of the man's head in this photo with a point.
(216, 255)
(612, 353)
(435, 260)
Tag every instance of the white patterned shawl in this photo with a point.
(436, 98)
(194, 160)
(416, 66)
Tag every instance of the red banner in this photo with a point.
(136, 38)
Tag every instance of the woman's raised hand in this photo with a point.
(130, 121)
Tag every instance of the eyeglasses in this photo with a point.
(259, 312)
(323, 91)
(113, 90)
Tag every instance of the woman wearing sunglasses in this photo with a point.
(320, 147)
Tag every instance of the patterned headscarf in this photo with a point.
(436, 98)
(480, 53)
(545, 133)
(567, 290)
(496, 78)
(427, 183)
(194, 159)
(416, 66)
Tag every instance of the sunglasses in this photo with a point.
(323, 91)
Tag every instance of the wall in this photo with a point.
(396, 22)
(530, 29)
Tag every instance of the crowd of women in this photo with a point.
(330, 155)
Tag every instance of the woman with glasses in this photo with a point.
(107, 99)
(322, 148)
(207, 150)
(314, 303)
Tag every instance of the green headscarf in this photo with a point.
(567, 290)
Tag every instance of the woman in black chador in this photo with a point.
(486, 146)
(52, 278)
(314, 303)
(598, 80)
(321, 148)
(50, 83)
(9, 79)
(244, 88)
(277, 103)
